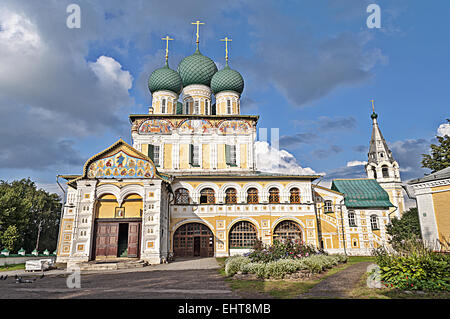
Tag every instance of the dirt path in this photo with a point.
(339, 284)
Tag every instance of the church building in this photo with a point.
(188, 185)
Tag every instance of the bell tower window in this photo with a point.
(196, 107)
(228, 106)
(163, 106)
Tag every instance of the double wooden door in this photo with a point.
(107, 239)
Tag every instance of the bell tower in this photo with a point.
(382, 166)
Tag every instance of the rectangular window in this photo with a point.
(194, 155)
(153, 153)
(196, 107)
(187, 108)
(230, 155)
(352, 219)
(207, 107)
(163, 106)
(328, 206)
(228, 106)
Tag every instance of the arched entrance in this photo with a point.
(288, 230)
(117, 228)
(193, 240)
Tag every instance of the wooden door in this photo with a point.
(196, 246)
(106, 239)
(133, 239)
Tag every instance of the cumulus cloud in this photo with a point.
(325, 153)
(444, 129)
(269, 159)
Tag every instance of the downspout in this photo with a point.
(319, 224)
(61, 215)
(168, 221)
(342, 225)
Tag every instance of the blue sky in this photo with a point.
(310, 69)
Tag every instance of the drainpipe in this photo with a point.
(61, 215)
(168, 218)
(342, 225)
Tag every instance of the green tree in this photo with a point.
(440, 154)
(24, 206)
(9, 238)
(405, 228)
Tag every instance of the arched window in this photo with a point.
(252, 196)
(328, 206)
(287, 230)
(207, 196)
(351, 219)
(385, 171)
(163, 107)
(243, 235)
(230, 196)
(295, 196)
(374, 222)
(274, 195)
(374, 172)
(181, 196)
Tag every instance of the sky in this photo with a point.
(310, 69)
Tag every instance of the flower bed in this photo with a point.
(282, 268)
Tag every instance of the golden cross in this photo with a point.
(226, 47)
(167, 38)
(198, 25)
(373, 107)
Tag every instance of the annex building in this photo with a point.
(188, 184)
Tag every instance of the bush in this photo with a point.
(280, 268)
(287, 249)
(414, 267)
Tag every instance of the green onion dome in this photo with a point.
(165, 79)
(197, 69)
(227, 80)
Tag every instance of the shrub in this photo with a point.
(286, 249)
(280, 268)
(414, 267)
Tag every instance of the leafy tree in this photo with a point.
(9, 238)
(405, 228)
(34, 212)
(440, 154)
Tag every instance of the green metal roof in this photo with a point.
(362, 193)
(227, 80)
(165, 79)
(197, 69)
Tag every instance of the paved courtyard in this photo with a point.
(196, 278)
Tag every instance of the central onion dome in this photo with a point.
(165, 79)
(197, 69)
(227, 79)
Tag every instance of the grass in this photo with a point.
(361, 291)
(12, 267)
(284, 289)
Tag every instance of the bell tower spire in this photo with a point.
(382, 166)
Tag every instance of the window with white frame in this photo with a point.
(163, 106)
(206, 107)
(194, 158)
(196, 107)
(156, 155)
(228, 106)
(351, 219)
(230, 155)
(374, 222)
(328, 206)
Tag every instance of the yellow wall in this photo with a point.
(144, 149)
(184, 156)
(167, 156)
(221, 156)
(243, 155)
(441, 202)
(108, 209)
(206, 156)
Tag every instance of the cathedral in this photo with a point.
(188, 185)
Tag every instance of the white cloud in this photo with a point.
(110, 73)
(444, 129)
(269, 159)
(355, 163)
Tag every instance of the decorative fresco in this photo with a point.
(156, 126)
(234, 127)
(197, 126)
(121, 165)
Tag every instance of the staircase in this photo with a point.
(112, 265)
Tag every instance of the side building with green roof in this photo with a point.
(365, 213)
